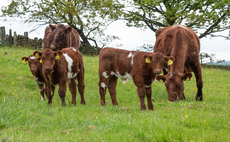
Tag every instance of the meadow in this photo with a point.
(24, 117)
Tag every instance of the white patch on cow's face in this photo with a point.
(32, 57)
(131, 56)
(181, 27)
(103, 85)
(105, 74)
(74, 49)
(70, 64)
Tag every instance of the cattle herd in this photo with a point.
(176, 54)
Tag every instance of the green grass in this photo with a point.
(24, 117)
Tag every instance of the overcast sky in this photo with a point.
(131, 38)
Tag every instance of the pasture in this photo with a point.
(24, 117)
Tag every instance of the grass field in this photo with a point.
(24, 117)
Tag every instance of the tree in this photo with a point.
(89, 17)
(210, 16)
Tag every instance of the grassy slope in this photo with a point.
(24, 117)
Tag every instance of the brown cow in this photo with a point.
(48, 37)
(64, 36)
(183, 44)
(36, 70)
(59, 67)
(141, 67)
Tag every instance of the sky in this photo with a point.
(131, 38)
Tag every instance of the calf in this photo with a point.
(141, 67)
(60, 67)
(36, 70)
(64, 36)
(183, 44)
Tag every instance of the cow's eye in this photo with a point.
(178, 85)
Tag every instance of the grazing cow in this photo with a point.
(36, 70)
(48, 37)
(183, 44)
(64, 36)
(60, 67)
(141, 67)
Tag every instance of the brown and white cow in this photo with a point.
(183, 44)
(60, 67)
(36, 70)
(48, 37)
(64, 36)
(141, 67)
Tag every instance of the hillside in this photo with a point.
(24, 117)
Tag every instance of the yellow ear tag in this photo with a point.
(37, 55)
(161, 81)
(187, 79)
(57, 57)
(24, 61)
(170, 62)
(40, 60)
(147, 60)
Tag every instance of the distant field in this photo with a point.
(24, 117)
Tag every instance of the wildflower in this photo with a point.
(186, 116)
(12, 82)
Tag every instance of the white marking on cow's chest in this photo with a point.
(70, 64)
(36, 78)
(32, 57)
(103, 85)
(131, 56)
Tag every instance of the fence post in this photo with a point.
(26, 38)
(3, 35)
(15, 39)
(10, 37)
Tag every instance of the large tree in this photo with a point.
(207, 16)
(89, 17)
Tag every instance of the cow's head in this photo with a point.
(48, 58)
(33, 63)
(60, 36)
(157, 61)
(174, 84)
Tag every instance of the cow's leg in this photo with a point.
(149, 98)
(112, 89)
(48, 93)
(141, 94)
(182, 97)
(41, 90)
(72, 88)
(61, 92)
(199, 83)
(81, 86)
(103, 83)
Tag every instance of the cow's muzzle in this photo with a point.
(48, 69)
(157, 71)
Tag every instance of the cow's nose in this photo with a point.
(157, 71)
(48, 69)
(33, 70)
(52, 46)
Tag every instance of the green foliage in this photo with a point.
(209, 15)
(89, 18)
(24, 117)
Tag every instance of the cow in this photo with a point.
(61, 67)
(183, 44)
(141, 67)
(48, 37)
(64, 36)
(36, 70)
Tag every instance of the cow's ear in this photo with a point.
(37, 54)
(147, 58)
(69, 29)
(25, 58)
(52, 27)
(57, 55)
(169, 59)
(186, 76)
(161, 78)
